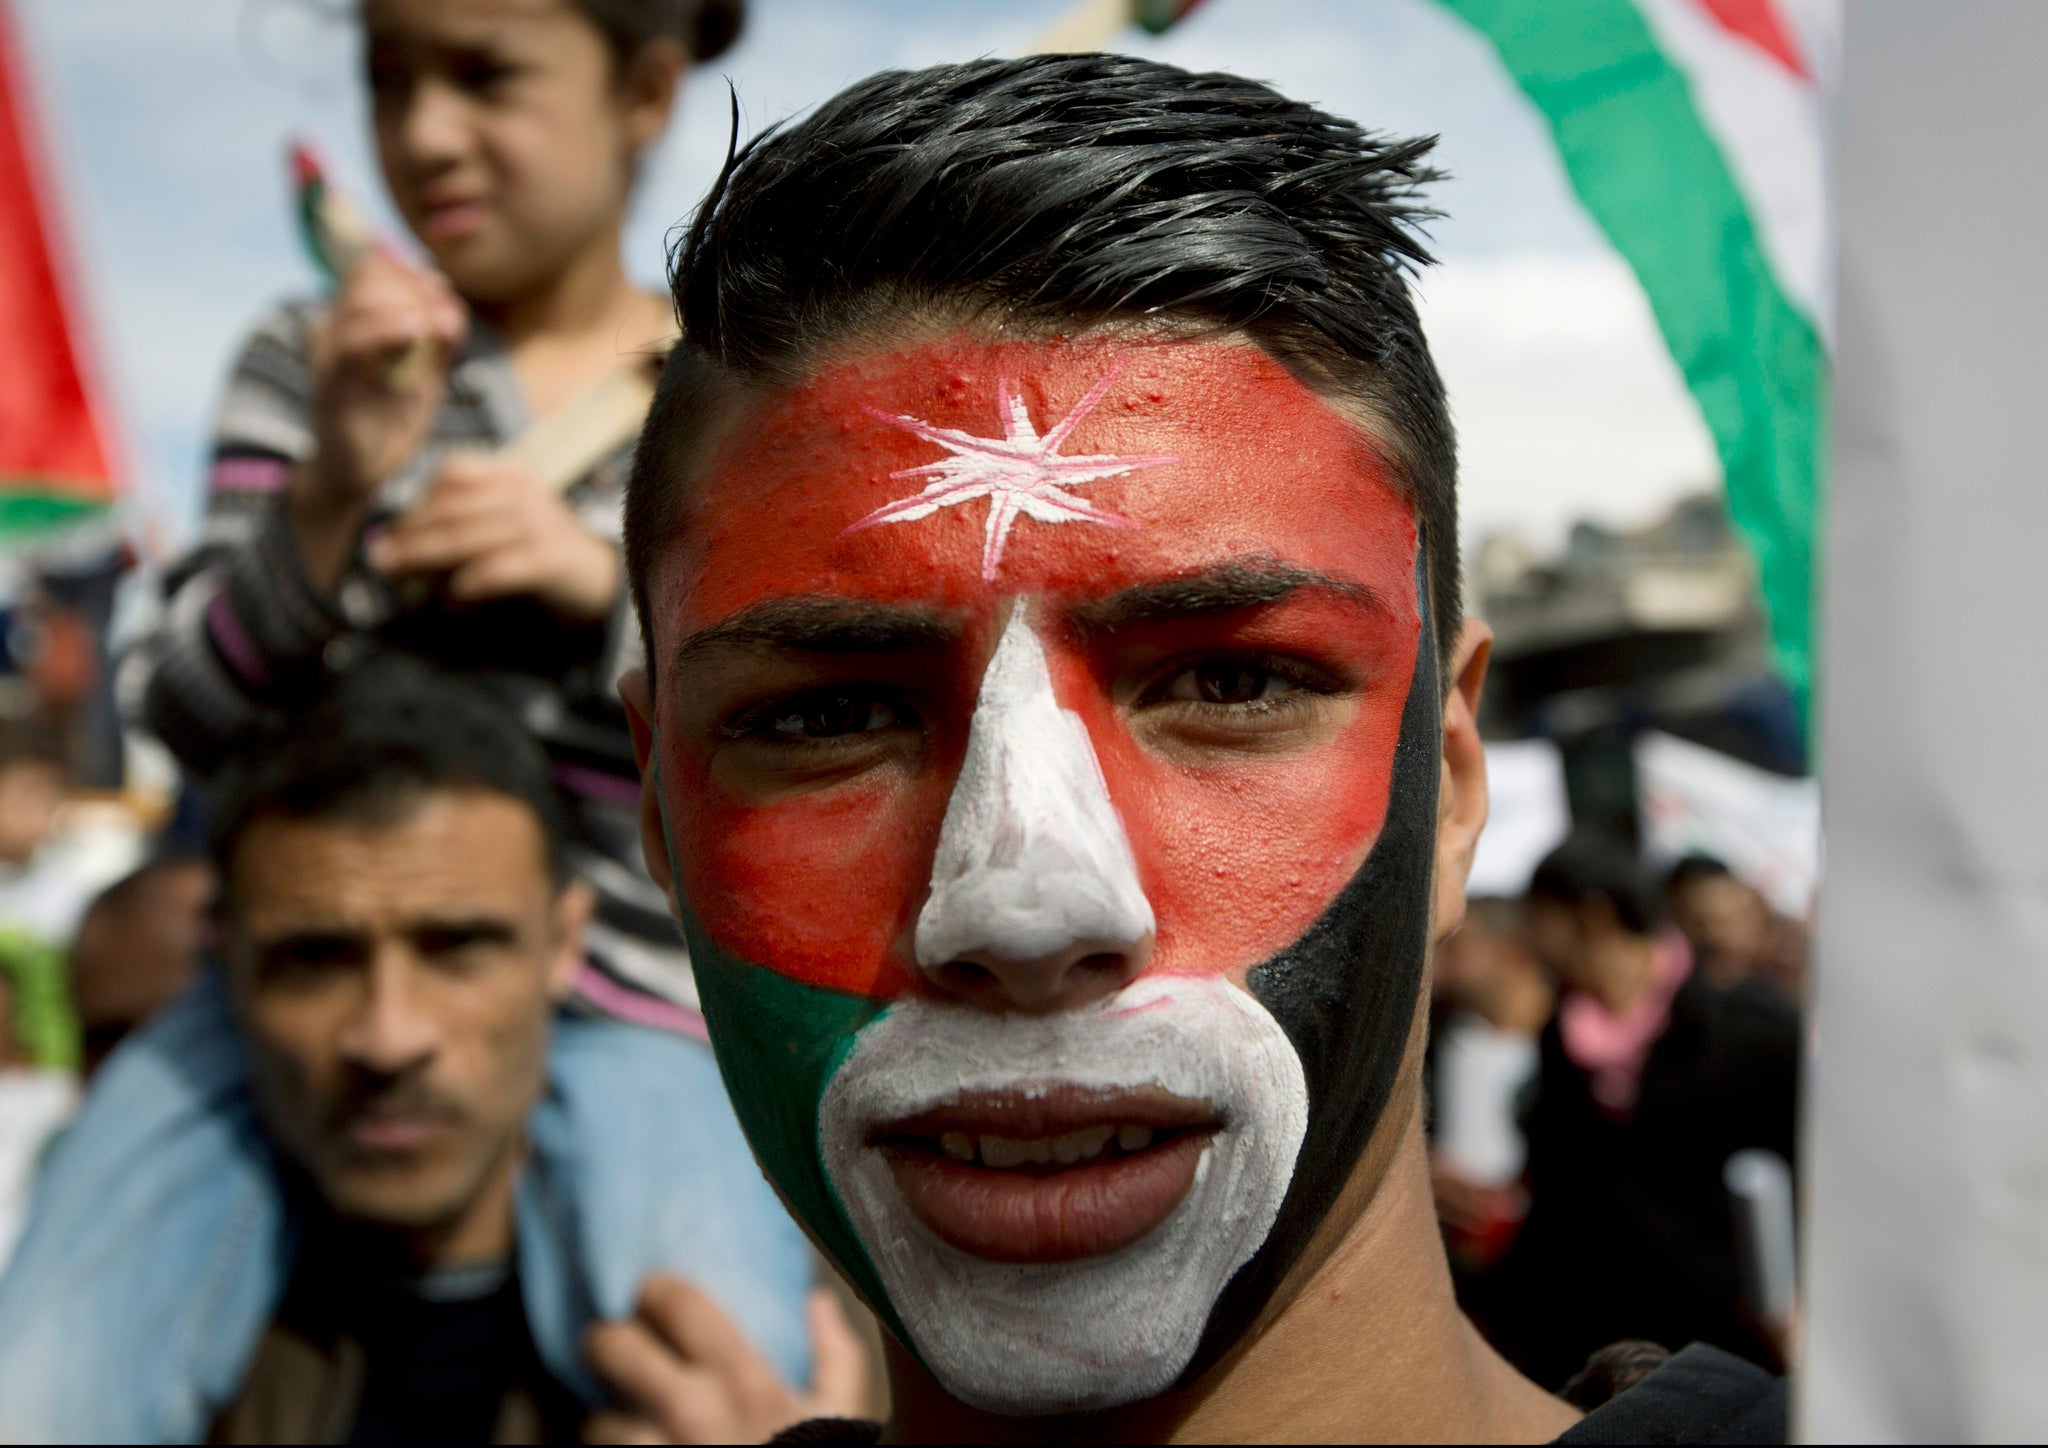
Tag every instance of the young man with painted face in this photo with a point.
(1060, 732)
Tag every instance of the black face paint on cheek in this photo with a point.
(1345, 994)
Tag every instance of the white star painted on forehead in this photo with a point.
(1019, 472)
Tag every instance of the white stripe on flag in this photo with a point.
(1770, 127)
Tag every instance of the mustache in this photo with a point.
(367, 1097)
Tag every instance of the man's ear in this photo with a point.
(639, 702)
(574, 905)
(1461, 796)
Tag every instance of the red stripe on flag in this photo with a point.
(51, 435)
(1760, 23)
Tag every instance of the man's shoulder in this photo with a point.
(1700, 1395)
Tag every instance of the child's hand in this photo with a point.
(494, 532)
(684, 1374)
(380, 371)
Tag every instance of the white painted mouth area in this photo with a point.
(1028, 1338)
(1032, 861)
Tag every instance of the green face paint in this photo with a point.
(778, 1041)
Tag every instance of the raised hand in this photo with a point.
(683, 1373)
(380, 372)
(491, 530)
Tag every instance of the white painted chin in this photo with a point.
(1030, 1338)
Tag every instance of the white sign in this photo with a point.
(1763, 826)
(1527, 817)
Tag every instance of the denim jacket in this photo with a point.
(160, 1242)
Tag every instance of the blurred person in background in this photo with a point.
(1649, 1078)
(357, 500)
(33, 782)
(60, 1016)
(1722, 917)
(1491, 1001)
(47, 877)
(43, 890)
(49, 934)
(139, 945)
(37, 1094)
(1735, 935)
(363, 1183)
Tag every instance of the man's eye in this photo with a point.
(1229, 681)
(831, 714)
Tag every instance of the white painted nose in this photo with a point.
(1035, 902)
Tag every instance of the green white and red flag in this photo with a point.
(58, 459)
(1693, 132)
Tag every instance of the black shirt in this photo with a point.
(360, 1355)
(1630, 1233)
(1701, 1395)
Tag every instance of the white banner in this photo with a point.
(1763, 826)
(1527, 816)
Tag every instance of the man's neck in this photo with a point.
(1372, 1348)
(481, 1232)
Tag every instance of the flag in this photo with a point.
(1691, 131)
(56, 451)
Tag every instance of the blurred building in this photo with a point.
(1658, 628)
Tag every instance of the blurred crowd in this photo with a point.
(1601, 1050)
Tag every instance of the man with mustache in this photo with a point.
(1059, 732)
(365, 1182)
(398, 923)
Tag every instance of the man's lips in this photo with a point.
(396, 1133)
(1048, 1174)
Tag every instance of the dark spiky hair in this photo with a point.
(391, 733)
(1058, 193)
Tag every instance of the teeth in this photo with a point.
(1001, 1151)
(1086, 1144)
(1077, 1145)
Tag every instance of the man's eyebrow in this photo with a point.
(821, 625)
(277, 949)
(1217, 590)
(477, 929)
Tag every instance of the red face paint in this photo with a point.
(1237, 466)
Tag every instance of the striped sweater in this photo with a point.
(246, 641)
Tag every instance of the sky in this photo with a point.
(170, 120)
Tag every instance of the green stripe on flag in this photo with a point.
(1654, 179)
(28, 512)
